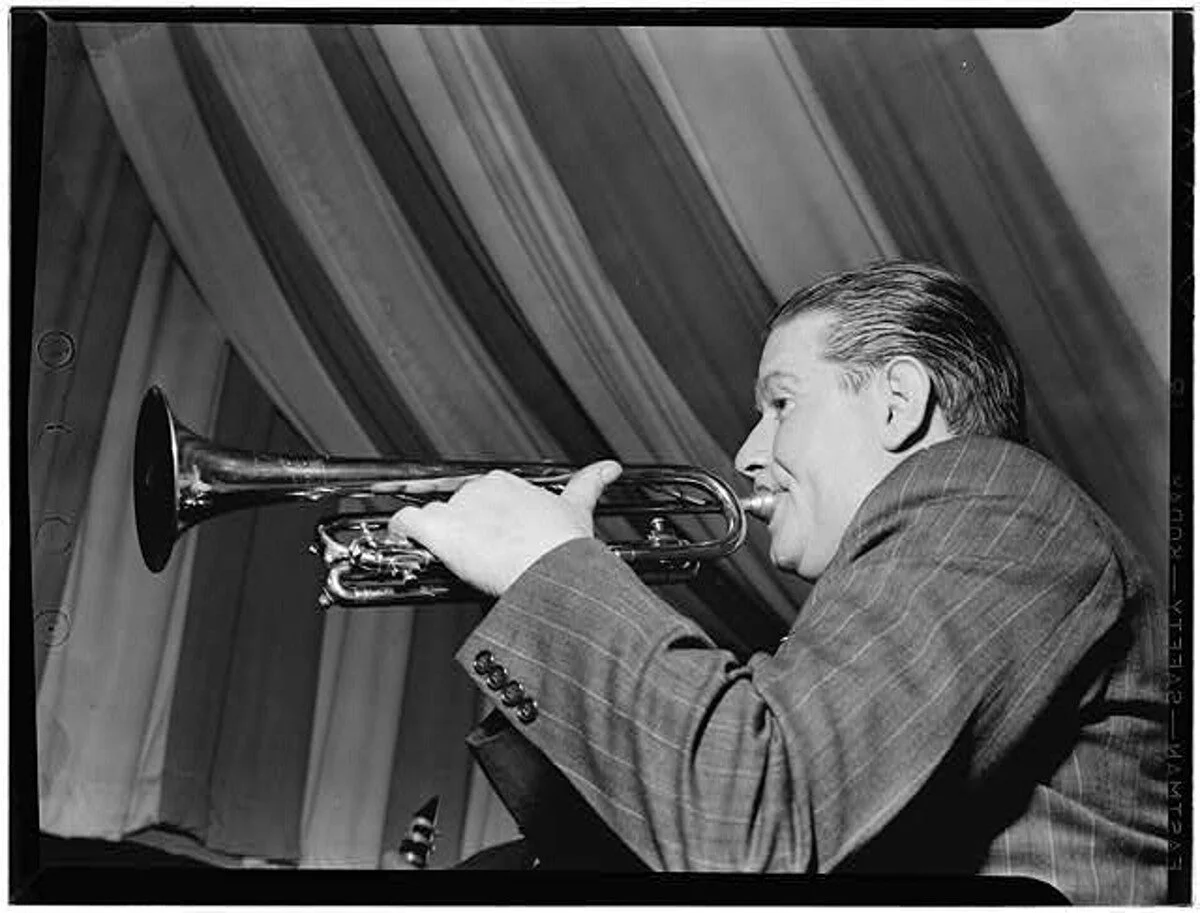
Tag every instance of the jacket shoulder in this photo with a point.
(977, 466)
(976, 495)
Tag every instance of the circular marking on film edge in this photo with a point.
(52, 626)
(51, 429)
(56, 349)
(54, 534)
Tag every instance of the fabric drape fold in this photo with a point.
(237, 749)
(752, 123)
(382, 297)
(165, 137)
(307, 287)
(652, 226)
(1094, 93)
(350, 760)
(260, 757)
(408, 166)
(439, 708)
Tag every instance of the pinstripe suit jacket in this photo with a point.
(976, 684)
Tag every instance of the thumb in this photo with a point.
(585, 486)
(412, 522)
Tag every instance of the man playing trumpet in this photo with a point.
(975, 684)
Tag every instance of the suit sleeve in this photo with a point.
(793, 760)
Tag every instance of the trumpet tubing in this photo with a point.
(181, 479)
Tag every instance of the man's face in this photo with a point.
(816, 446)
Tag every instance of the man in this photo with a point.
(975, 685)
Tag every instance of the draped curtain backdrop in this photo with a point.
(506, 242)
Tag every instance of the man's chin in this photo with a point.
(785, 562)
(794, 564)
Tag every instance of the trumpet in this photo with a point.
(181, 478)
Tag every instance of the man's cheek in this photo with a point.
(783, 471)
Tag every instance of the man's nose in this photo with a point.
(754, 454)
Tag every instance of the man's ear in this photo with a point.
(906, 388)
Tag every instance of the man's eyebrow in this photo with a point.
(760, 388)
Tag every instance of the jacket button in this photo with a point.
(497, 678)
(484, 662)
(512, 694)
(527, 711)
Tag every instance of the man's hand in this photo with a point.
(495, 527)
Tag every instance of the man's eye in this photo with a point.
(780, 403)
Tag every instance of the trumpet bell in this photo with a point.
(155, 483)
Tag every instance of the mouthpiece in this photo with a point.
(760, 505)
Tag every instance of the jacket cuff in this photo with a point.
(503, 654)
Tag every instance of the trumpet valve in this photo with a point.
(659, 534)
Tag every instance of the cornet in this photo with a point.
(181, 479)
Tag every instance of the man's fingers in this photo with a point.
(495, 526)
(414, 522)
(586, 486)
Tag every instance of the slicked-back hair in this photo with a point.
(906, 308)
